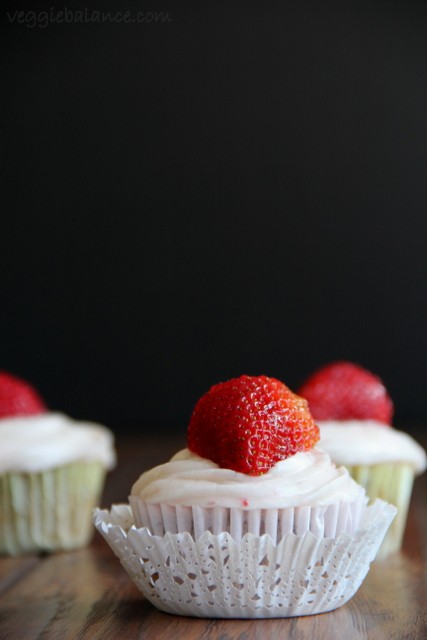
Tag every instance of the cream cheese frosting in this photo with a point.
(48, 440)
(355, 442)
(305, 479)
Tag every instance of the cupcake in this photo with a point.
(52, 472)
(252, 519)
(354, 412)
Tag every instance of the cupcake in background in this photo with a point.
(354, 411)
(52, 472)
(252, 519)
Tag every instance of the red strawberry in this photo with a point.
(18, 398)
(345, 391)
(250, 423)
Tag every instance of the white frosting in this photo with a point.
(354, 442)
(305, 479)
(35, 443)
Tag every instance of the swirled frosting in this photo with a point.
(354, 442)
(47, 440)
(306, 479)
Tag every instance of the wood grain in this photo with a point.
(86, 594)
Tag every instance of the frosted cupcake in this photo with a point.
(52, 472)
(252, 519)
(354, 413)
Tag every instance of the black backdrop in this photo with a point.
(216, 189)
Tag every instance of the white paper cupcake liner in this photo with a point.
(217, 577)
(393, 483)
(49, 510)
(326, 521)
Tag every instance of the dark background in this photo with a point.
(237, 188)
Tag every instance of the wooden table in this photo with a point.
(86, 594)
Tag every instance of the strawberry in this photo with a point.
(248, 424)
(18, 398)
(345, 391)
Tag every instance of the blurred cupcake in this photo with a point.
(52, 472)
(252, 520)
(354, 412)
